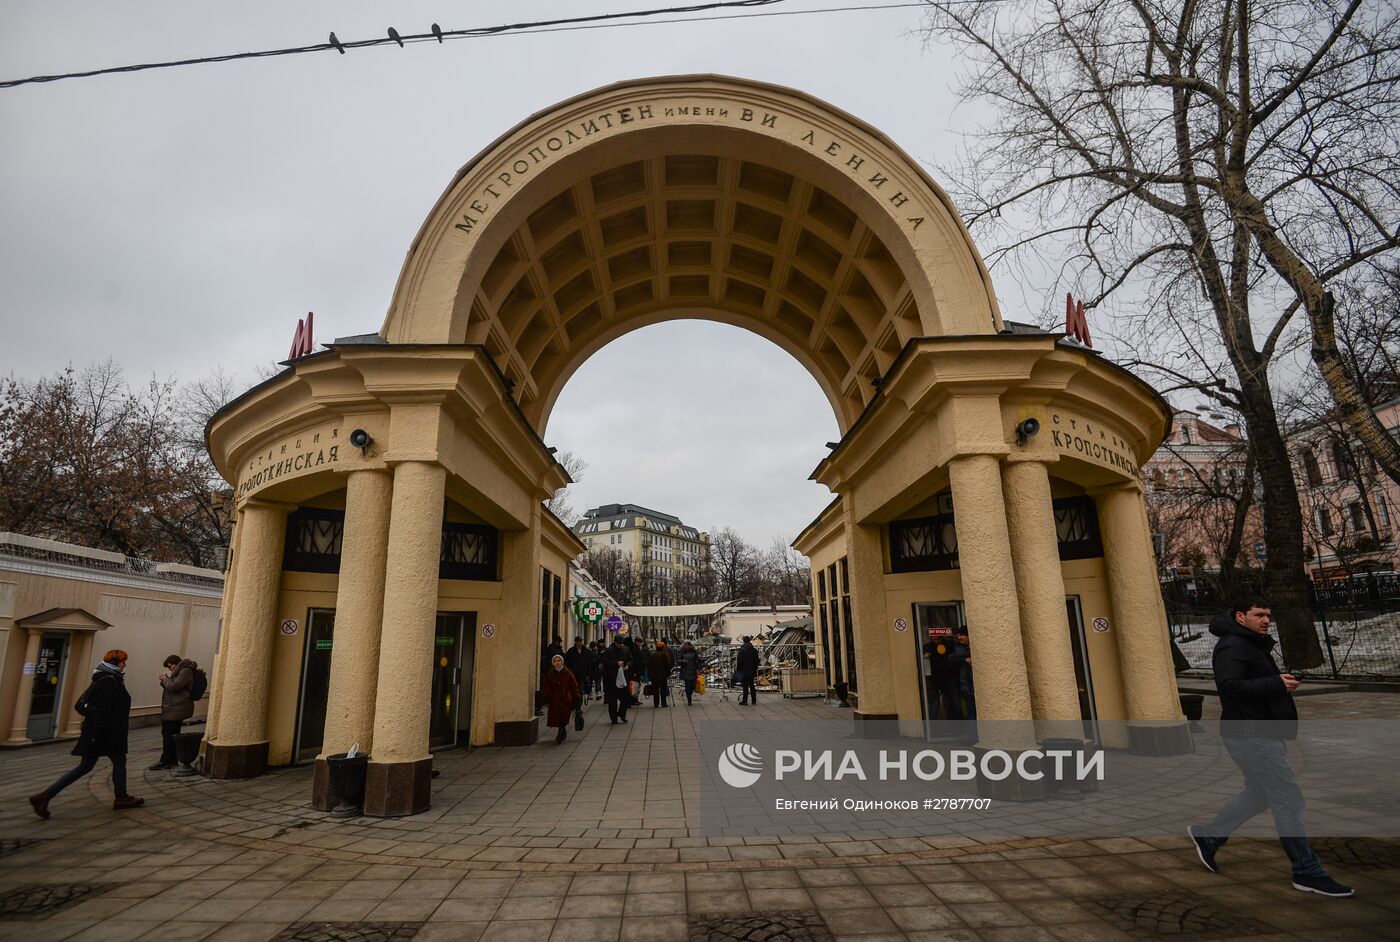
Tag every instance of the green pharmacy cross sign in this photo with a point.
(592, 611)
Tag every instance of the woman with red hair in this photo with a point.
(106, 708)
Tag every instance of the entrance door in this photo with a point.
(48, 687)
(1082, 679)
(935, 625)
(315, 683)
(453, 647)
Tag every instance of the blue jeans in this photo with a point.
(1268, 783)
(85, 765)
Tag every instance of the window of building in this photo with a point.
(847, 623)
(1358, 516)
(1311, 468)
(1382, 512)
(1341, 460)
(1324, 522)
(1186, 435)
(832, 614)
(469, 551)
(313, 540)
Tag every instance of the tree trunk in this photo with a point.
(1285, 578)
(1235, 542)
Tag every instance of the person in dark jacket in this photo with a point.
(561, 696)
(688, 666)
(746, 666)
(1257, 717)
(960, 661)
(638, 667)
(176, 705)
(106, 709)
(576, 660)
(659, 665)
(595, 667)
(617, 675)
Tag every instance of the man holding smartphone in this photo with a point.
(1257, 717)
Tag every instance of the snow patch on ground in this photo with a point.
(1366, 647)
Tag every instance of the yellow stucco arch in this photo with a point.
(692, 196)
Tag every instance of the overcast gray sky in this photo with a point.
(181, 220)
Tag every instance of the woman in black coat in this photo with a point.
(106, 708)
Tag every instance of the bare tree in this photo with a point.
(617, 572)
(735, 565)
(1226, 157)
(87, 459)
(559, 504)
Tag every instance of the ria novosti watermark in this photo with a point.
(740, 765)
(926, 780)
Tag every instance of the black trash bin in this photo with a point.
(842, 693)
(346, 776)
(186, 751)
(1191, 705)
(1068, 784)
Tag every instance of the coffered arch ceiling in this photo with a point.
(780, 215)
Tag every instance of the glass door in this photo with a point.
(1082, 678)
(315, 683)
(48, 672)
(935, 629)
(447, 678)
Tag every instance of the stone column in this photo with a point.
(875, 665)
(512, 657)
(1040, 588)
(400, 769)
(216, 679)
(19, 730)
(80, 662)
(1155, 723)
(240, 749)
(989, 589)
(359, 613)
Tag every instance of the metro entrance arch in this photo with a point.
(700, 197)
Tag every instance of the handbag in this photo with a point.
(649, 690)
(578, 718)
(699, 683)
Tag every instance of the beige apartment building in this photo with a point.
(390, 488)
(62, 606)
(665, 549)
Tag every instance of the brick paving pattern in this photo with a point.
(595, 840)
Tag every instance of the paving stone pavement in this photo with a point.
(596, 840)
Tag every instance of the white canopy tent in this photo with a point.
(676, 611)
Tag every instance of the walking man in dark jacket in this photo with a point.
(106, 710)
(746, 666)
(617, 678)
(659, 665)
(176, 705)
(576, 660)
(1257, 716)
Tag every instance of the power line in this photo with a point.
(438, 35)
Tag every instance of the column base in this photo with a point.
(394, 789)
(1011, 788)
(1159, 739)
(875, 725)
(517, 732)
(241, 761)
